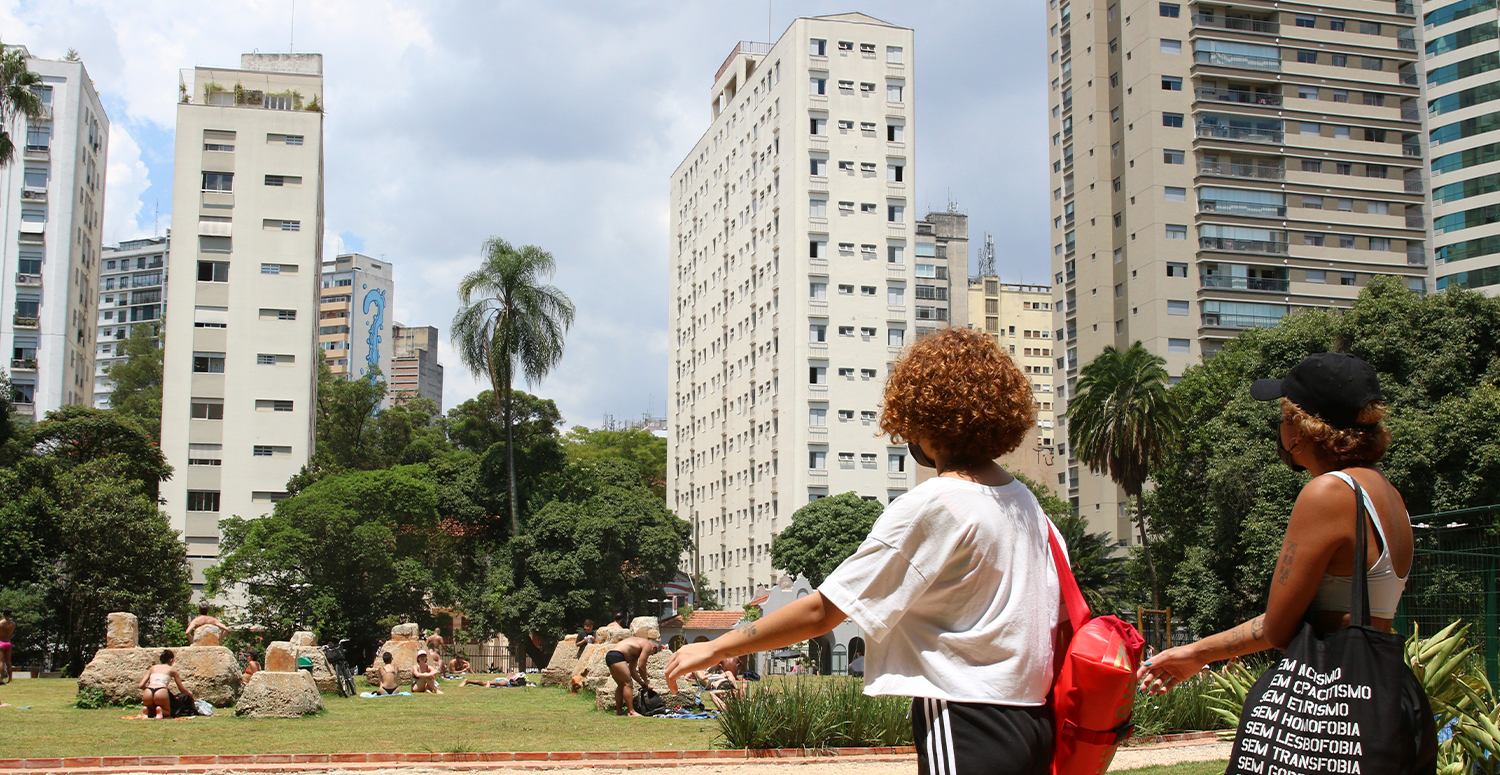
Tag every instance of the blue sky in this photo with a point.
(556, 124)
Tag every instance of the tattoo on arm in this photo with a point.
(748, 629)
(1288, 556)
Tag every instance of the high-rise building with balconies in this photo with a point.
(1217, 166)
(354, 328)
(52, 208)
(1461, 64)
(240, 366)
(132, 292)
(942, 254)
(791, 260)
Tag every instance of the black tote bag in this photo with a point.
(1345, 703)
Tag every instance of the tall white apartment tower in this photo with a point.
(240, 368)
(1461, 61)
(51, 209)
(791, 256)
(132, 292)
(1216, 166)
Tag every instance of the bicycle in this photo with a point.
(339, 665)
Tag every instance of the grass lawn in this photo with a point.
(1186, 768)
(463, 720)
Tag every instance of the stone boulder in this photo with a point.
(403, 647)
(209, 635)
(303, 638)
(279, 695)
(605, 700)
(648, 627)
(123, 631)
(209, 672)
(564, 658)
(406, 632)
(282, 656)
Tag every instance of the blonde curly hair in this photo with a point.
(1363, 444)
(958, 391)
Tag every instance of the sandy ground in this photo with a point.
(1125, 760)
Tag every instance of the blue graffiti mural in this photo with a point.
(376, 298)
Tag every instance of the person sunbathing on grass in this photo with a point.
(390, 677)
(458, 666)
(154, 683)
(424, 675)
(517, 679)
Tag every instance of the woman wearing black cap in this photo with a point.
(1331, 412)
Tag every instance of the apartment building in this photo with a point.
(1461, 61)
(415, 370)
(240, 369)
(132, 291)
(942, 253)
(51, 208)
(352, 313)
(1216, 166)
(790, 220)
(1019, 317)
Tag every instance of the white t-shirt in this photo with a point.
(956, 590)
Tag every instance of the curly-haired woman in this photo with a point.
(1331, 412)
(954, 587)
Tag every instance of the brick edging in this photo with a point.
(1181, 737)
(222, 760)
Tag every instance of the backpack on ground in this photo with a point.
(647, 702)
(1093, 694)
(181, 706)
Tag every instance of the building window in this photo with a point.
(1169, 156)
(817, 333)
(203, 500)
(1369, 28)
(818, 126)
(817, 208)
(1177, 307)
(895, 133)
(895, 173)
(278, 314)
(817, 460)
(1169, 10)
(1174, 194)
(895, 213)
(208, 363)
(1171, 46)
(1313, 240)
(205, 454)
(1171, 119)
(1337, 25)
(219, 182)
(1179, 346)
(1346, 278)
(895, 337)
(1307, 57)
(268, 405)
(892, 92)
(1317, 276)
(1372, 63)
(1306, 21)
(1176, 231)
(817, 418)
(1171, 83)
(1176, 270)
(817, 375)
(893, 55)
(817, 47)
(1309, 165)
(213, 271)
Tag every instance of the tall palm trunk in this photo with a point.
(1140, 522)
(510, 464)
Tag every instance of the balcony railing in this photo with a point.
(1239, 24)
(1408, 77)
(23, 278)
(1242, 171)
(34, 194)
(1231, 207)
(1246, 283)
(1406, 9)
(1417, 256)
(1241, 245)
(1247, 134)
(23, 363)
(1240, 96)
(1236, 320)
(25, 321)
(1246, 61)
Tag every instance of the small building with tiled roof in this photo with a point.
(699, 626)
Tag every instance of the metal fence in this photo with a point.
(1454, 576)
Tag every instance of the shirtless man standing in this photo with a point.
(435, 641)
(7, 629)
(424, 676)
(203, 619)
(627, 665)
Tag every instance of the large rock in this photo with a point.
(648, 627)
(123, 631)
(403, 647)
(209, 635)
(279, 695)
(282, 657)
(209, 672)
(303, 638)
(564, 658)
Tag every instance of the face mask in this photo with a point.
(1286, 456)
(920, 455)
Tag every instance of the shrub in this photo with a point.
(813, 713)
(91, 698)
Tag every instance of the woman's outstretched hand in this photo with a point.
(1165, 670)
(691, 658)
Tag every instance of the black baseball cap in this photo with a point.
(1332, 386)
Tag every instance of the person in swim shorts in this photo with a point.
(627, 665)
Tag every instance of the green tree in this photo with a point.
(605, 543)
(345, 409)
(510, 324)
(1100, 574)
(706, 597)
(636, 446)
(16, 98)
(137, 379)
(1122, 420)
(823, 534)
(349, 556)
(1222, 495)
(478, 424)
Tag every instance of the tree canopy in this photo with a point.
(636, 446)
(823, 534)
(1222, 495)
(137, 379)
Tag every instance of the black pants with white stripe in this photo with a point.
(970, 738)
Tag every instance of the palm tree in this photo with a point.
(510, 323)
(16, 98)
(1122, 420)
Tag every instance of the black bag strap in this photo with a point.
(1359, 592)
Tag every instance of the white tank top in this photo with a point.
(1385, 586)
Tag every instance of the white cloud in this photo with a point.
(125, 180)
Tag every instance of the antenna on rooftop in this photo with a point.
(291, 43)
(987, 257)
(156, 229)
(769, 37)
